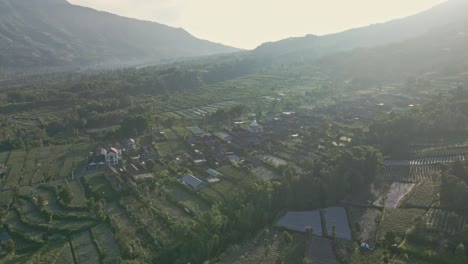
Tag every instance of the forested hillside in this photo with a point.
(46, 33)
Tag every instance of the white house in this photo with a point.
(255, 127)
(113, 156)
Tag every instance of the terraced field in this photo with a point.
(105, 238)
(422, 195)
(84, 248)
(66, 255)
(44, 164)
(398, 221)
(445, 221)
(410, 174)
(425, 161)
(446, 151)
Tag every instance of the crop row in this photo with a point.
(410, 174)
(446, 221)
(425, 161)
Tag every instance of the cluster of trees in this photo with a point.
(133, 126)
(335, 175)
(225, 116)
(441, 118)
(226, 223)
(454, 188)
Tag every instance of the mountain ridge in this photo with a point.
(393, 31)
(48, 33)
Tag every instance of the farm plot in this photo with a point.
(46, 254)
(264, 173)
(187, 199)
(144, 217)
(30, 168)
(212, 194)
(78, 197)
(321, 251)
(410, 174)
(364, 223)
(30, 212)
(394, 195)
(422, 195)
(445, 221)
(336, 216)
(66, 256)
(5, 198)
(15, 225)
(4, 156)
(170, 148)
(268, 248)
(118, 216)
(227, 189)
(424, 161)
(299, 221)
(77, 191)
(84, 248)
(15, 163)
(234, 173)
(161, 203)
(398, 221)
(459, 150)
(106, 241)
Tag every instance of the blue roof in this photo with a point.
(192, 181)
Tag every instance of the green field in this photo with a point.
(171, 148)
(190, 201)
(398, 221)
(99, 186)
(422, 194)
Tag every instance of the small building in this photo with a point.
(148, 153)
(255, 127)
(193, 182)
(224, 136)
(233, 158)
(113, 156)
(214, 173)
(196, 130)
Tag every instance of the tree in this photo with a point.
(134, 126)
(65, 193)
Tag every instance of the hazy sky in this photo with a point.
(248, 23)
